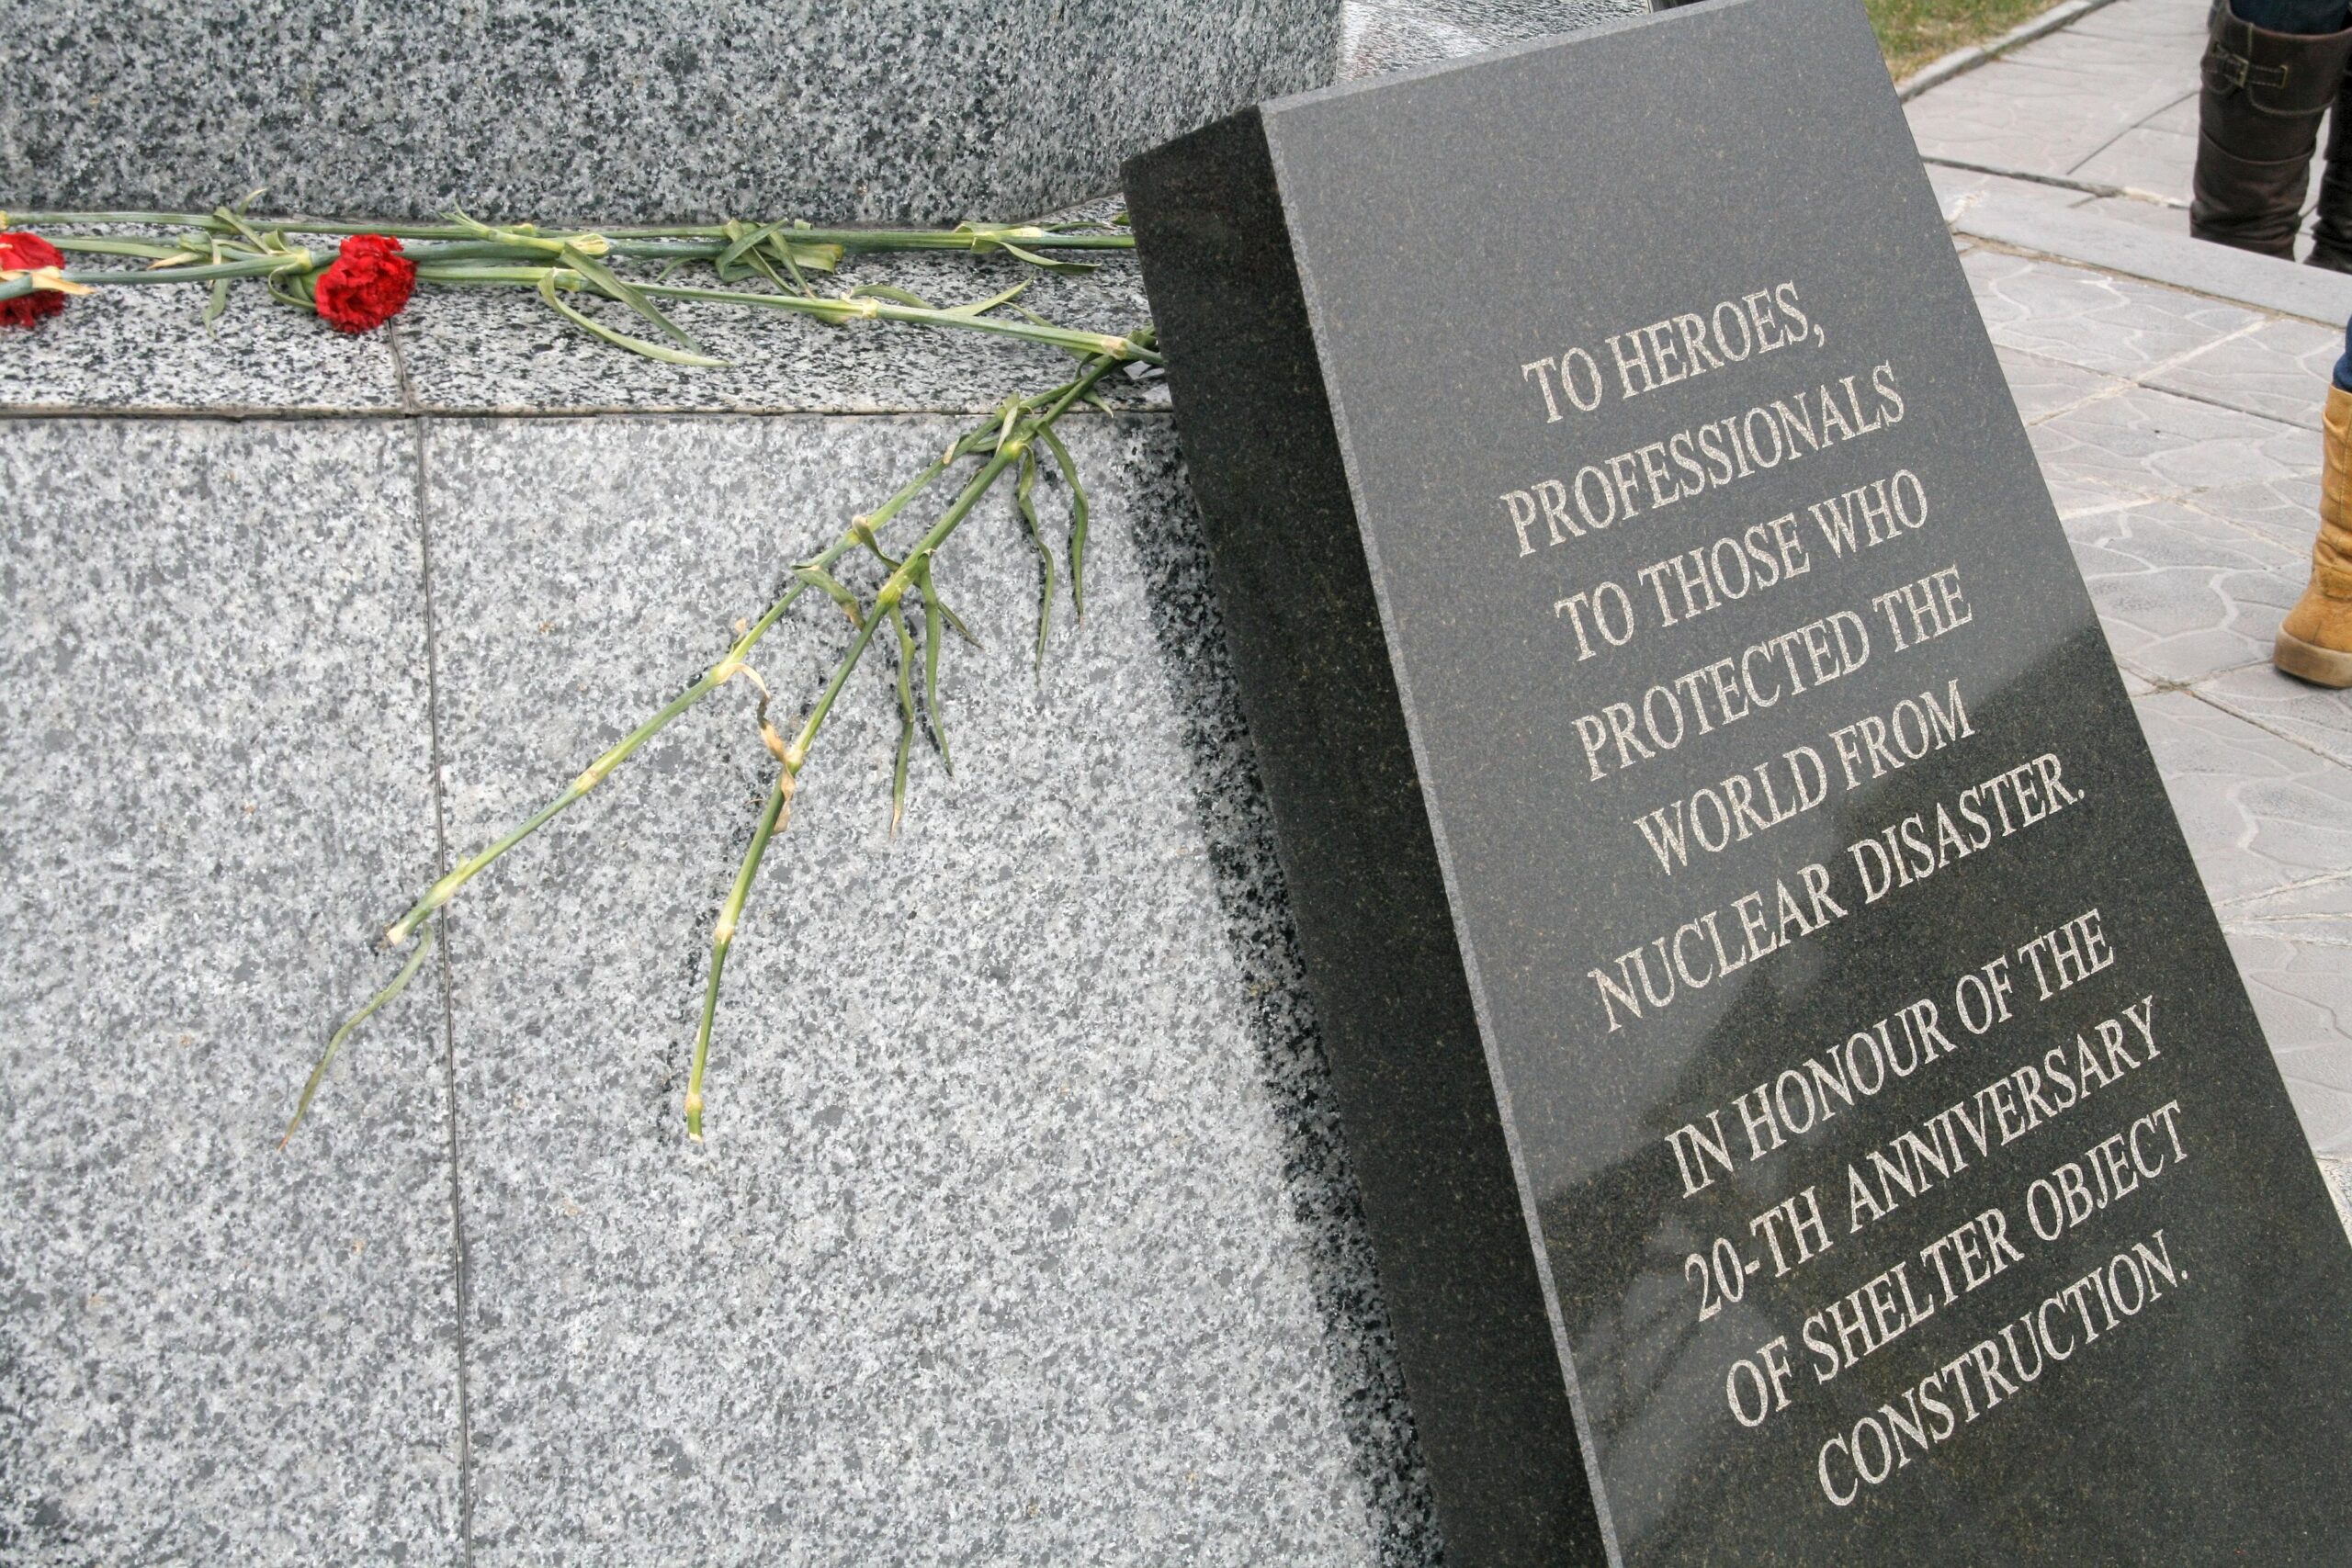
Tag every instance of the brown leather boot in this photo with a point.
(2315, 640)
(2332, 234)
(2257, 125)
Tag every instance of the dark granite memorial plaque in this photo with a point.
(1806, 1109)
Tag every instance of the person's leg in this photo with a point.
(2332, 233)
(2294, 16)
(2315, 640)
(2271, 68)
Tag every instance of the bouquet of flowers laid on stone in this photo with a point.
(370, 274)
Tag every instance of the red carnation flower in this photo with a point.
(367, 285)
(24, 253)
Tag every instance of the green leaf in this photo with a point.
(1051, 264)
(610, 283)
(955, 621)
(1076, 518)
(817, 577)
(1021, 496)
(824, 256)
(746, 241)
(932, 610)
(862, 532)
(247, 230)
(982, 306)
(886, 291)
(619, 340)
(906, 719)
(214, 306)
(760, 264)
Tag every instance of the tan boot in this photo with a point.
(2315, 640)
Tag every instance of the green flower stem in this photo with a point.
(843, 311)
(711, 680)
(258, 266)
(777, 810)
(838, 311)
(441, 892)
(334, 1044)
(776, 813)
(1011, 435)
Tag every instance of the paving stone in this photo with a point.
(2145, 444)
(2020, 112)
(2313, 716)
(2151, 216)
(2138, 72)
(2171, 259)
(2281, 369)
(2179, 21)
(2181, 595)
(214, 754)
(2261, 814)
(2185, 116)
(2270, 825)
(1022, 1233)
(2303, 993)
(2144, 158)
(2284, 508)
(2338, 1173)
(2045, 387)
(1957, 190)
(2092, 319)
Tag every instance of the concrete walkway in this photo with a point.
(2172, 390)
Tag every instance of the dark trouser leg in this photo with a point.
(2265, 91)
(2332, 234)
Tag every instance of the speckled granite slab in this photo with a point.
(1023, 1233)
(214, 757)
(888, 109)
(1381, 35)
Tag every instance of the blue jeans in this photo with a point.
(2294, 16)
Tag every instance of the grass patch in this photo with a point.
(1913, 32)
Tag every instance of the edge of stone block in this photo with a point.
(2067, 234)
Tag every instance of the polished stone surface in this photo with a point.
(914, 110)
(195, 1250)
(2217, 1429)
(214, 755)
